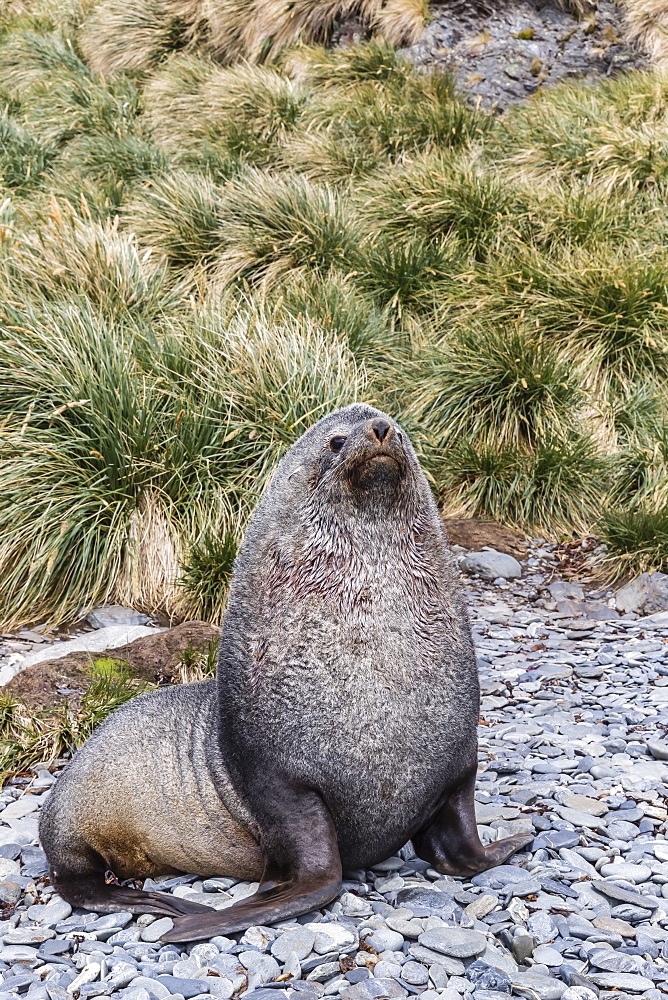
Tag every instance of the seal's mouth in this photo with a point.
(380, 469)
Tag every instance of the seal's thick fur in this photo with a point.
(343, 720)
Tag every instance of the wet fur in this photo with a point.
(366, 680)
(346, 683)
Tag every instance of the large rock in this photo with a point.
(565, 590)
(492, 564)
(473, 534)
(152, 657)
(107, 615)
(646, 595)
(592, 610)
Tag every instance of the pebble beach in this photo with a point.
(571, 748)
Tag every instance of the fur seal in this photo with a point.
(342, 722)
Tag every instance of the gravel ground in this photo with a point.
(573, 715)
(502, 52)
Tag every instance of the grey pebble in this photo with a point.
(260, 968)
(414, 973)
(454, 941)
(385, 939)
(155, 930)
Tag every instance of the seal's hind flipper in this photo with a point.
(450, 841)
(280, 902)
(93, 893)
(302, 868)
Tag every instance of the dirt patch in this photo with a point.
(474, 534)
(152, 658)
(502, 51)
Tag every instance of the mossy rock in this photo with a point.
(152, 659)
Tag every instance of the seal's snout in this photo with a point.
(381, 429)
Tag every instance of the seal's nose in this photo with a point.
(381, 428)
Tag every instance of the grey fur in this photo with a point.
(346, 656)
(346, 667)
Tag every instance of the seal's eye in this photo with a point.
(337, 443)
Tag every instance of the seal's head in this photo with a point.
(357, 457)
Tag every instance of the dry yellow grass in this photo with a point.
(647, 26)
(137, 34)
(150, 574)
(401, 22)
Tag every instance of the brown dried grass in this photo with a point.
(137, 34)
(647, 27)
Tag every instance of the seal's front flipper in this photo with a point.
(451, 843)
(266, 907)
(93, 893)
(302, 869)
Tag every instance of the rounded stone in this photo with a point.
(298, 941)
(155, 930)
(545, 955)
(454, 941)
(384, 939)
(386, 970)
(620, 829)
(627, 872)
(414, 973)
(10, 893)
(491, 564)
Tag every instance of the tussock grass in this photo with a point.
(237, 116)
(407, 277)
(124, 449)
(75, 256)
(637, 541)
(336, 302)
(439, 194)
(373, 61)
(276, 226)
(363, 124)
(23, 158)
(647, 22)
(509, 388)
(206, 575)
(180, 216)
(213, 231)
(119, 35)
(556, 486)
(401, 22)
(604, 305)
(611, 135)
(132, 36)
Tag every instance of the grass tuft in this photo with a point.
(180, 216)
(557, 486)
(637, 541)
(207, 571)
(75, 256)
(237, 116)
(510, 388)
(131, 36)
(23, 158)
(275, 226)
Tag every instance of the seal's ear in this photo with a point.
(300, 468)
